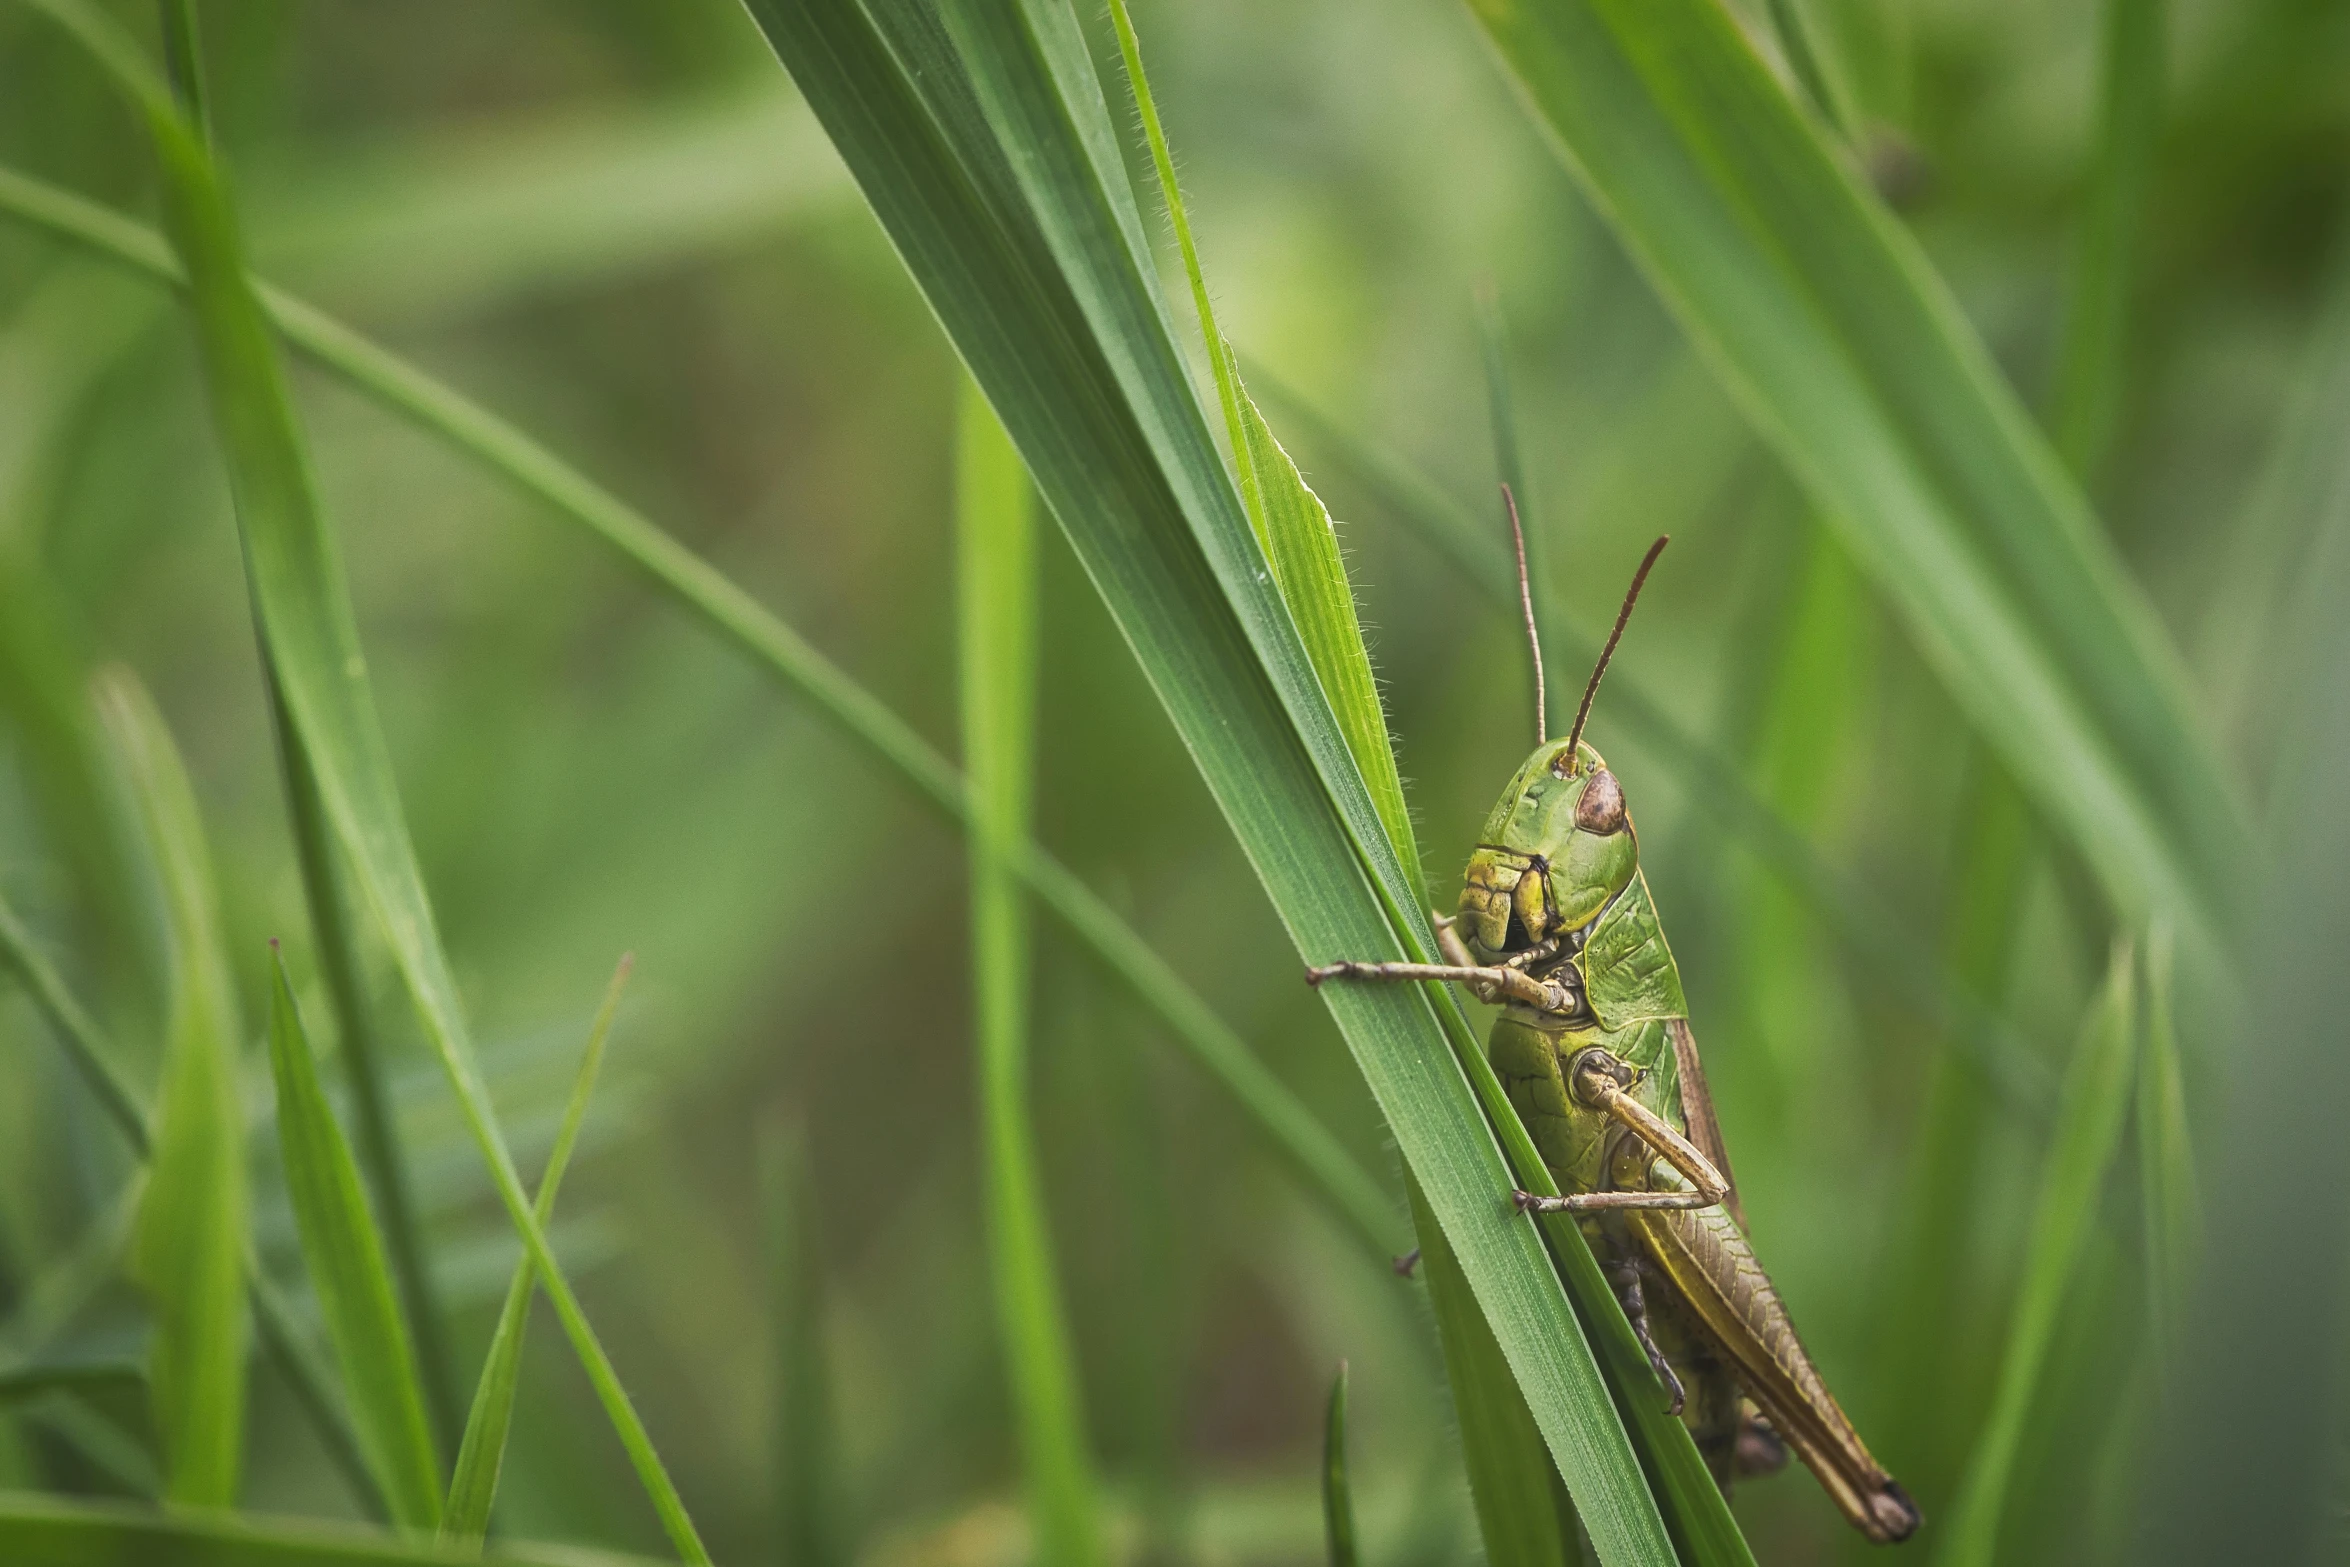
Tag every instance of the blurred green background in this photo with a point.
(615, 225)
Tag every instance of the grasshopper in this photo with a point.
(1556, 926)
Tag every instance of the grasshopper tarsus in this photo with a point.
(1407, 1264)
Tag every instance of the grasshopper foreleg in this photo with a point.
(1489, 983)
(1624, 1274)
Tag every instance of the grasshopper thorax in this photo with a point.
(1557, 849)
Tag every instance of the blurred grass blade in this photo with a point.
(1338, 1503)
(189, 1248)
(1713, 781)
(2091, 357)
(1822, 317)
(479, 1457)
(985, 146)
(1523, 1515)
(1509, 463)
(2166, 1155)
(2094, 1108)
(1292, 525)
(1288, 1127)
(73, 1028)
(59, 1531)
(996, 577)
(311, 643)
(349, 1273)
(808, 1530)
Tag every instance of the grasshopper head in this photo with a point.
(1557, 847)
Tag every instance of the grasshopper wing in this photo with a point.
(1697, 1109)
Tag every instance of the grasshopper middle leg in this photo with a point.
(1597, 1079)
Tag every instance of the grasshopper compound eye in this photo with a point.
(1601, 810)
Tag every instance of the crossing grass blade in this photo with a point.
(61, 1531)
(474, 1487)
(349, 1272)
(188, 1249)
(310, 640)
(2094, 1107)
(996, 573)
(1338, 1503)
(984, 144)
(1288, 1127)
(1823, 319)
(809, 1528)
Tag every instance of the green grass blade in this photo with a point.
(985, 146)
(2091, 357)
(996, 574)
(349, 1272)
(60, 1531)
(1338, 1503)
(2166, 1153)
(189, 1247)
(808, 1525)
(2095, 1106)
(1509, 462)
(1523, 1515)
(1823, 319)
(74, 1030)
(474, 1488)
(311, 642)
(1868, 928)
(1288, 1127)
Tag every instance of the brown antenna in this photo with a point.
(1526, 603)
(1630, 598)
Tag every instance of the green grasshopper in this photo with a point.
(1593, 1045)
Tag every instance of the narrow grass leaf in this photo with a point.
(2094, 1108)
(1338, 1503)
(1288, 1127)
(983, 141)
(2166, 1154)
(1509, 462)
(74, 1030)
(349, 1273)
(310, 640)
(996, 577)
(1523, 1515)
(189, 1246)
(59, 1531)
(808, 1527)
(474, 1488)
(1822, 317)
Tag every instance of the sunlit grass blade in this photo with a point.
(310, 640)
(996, 576)
(1715, 784)
(1338, 1503)
(984, 144)
(1823, 319)
(474, 1488)
(2091, 356)
(2094, 1108)
(349, 1273)
(63, 1532)
(189, 1248)
(1523, 1515)
(1288, 1127)
(809, 1527)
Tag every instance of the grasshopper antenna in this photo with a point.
(1622, 615)
(1526, 603)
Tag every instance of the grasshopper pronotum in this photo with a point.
(1556, 926)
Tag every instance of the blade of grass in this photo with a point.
(63, 1532)
(2166, 1154)
(1510, 464)
(1287, 1126)
(1338, 1503)
(995, 554)
(808, 1529)
(1869, 929)
(1523, 1515)
(1824, 320)
(280, 1337)
(2094, 1107)
(310, 638)
(984, 144)
(474, 1488)
(189, 1247)
(2091, 356)
(349, 1273)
